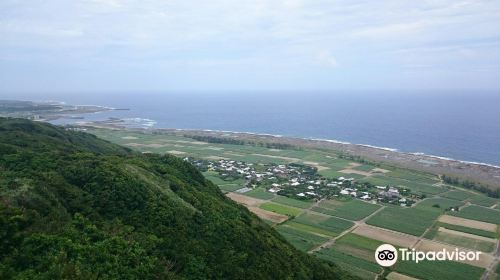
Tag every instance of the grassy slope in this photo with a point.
(73, 206)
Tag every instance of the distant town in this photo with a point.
(302, 182)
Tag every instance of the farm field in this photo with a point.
(441, 203)
(483, 200)
(302, 240)
(439, 270)
(292, 202)
(465, 240)
(260, 193)
(479, 213)
(468, 223)
(307, 225)
(354, 210)
(412, 221)
(331, 224)
(457, 195)
(357, 246)
(395, 238)
(343, 258)
(280, 209)
(471, 230)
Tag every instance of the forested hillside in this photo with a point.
(73, 206)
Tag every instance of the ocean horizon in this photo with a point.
(462, 126)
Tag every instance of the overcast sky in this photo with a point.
(99, 45)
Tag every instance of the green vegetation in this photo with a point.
(357, 246)
(310, 228)
(457, 195)
(76, 207)
(292, 202)
(441, 203)
(412, 175)
(479, 213)
(438, 270)
(483, 200)
(354, 210)
(260, 193)
(229, 186)
(343, 258)
(280, 209)
(302, 240)
(466, 242)
(432, 232)
(358, 241)
(419, 187)
(364, 167)
(331, 224)
(413, 221)
(491, 192)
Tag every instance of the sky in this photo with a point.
(177, 45)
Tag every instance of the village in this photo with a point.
(302, 182)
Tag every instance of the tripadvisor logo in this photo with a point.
(387, 255)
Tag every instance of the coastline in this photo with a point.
(488, 174)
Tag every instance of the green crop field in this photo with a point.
(457, 195)
(483, 200)
(433, 231)
(354, 210)
(301, 240)
(479, 213)
(343, 258)
(443, 203)
(439, 270)
(358, 241)
(330, 173)
(332, 224)
(466, 242)
(411, 175)
(292, 202)
(312, 229)
(413, 221)
(280, 209)
(358, 246)
(260, 193)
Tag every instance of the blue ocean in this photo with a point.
(458, 125)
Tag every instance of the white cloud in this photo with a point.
(327, 59)
(252, 35)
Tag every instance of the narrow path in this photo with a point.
(491, 268)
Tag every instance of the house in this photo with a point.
(274, 190)
(365, 197)
(311, 193)
(393, 190)
(301, 194)
(310, 188)
(295, 184)
(344, 192)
